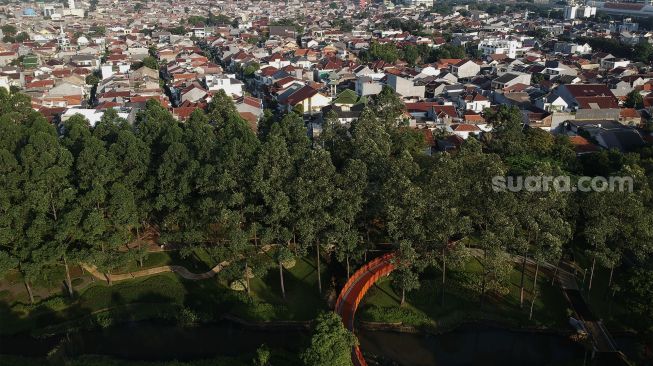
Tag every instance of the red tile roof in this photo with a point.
(582, 145)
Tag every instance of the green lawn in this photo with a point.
(424, 306)
(163, 295)
(303, 300)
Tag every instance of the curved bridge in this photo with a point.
(353, 291)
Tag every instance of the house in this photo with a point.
(630, 117)
(226, 82)
(473, 101)
(193, 93)
(92, 115)
(65, 94)
(464, 130)
(309, 98)
(509, 79)
(571, 48)
(366, 85)
(582, 145)
(613, 63)
(587, 96)
(404, 87)
(465, 69)
(347, 106)
(551, 103)
(623, 139)
(431, 114)
(7, 58)
(554, 68)
(250, 105)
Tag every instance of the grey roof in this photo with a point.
(611, 114)
(626, 139)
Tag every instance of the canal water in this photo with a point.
(469, 345)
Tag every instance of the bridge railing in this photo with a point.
(354, 278)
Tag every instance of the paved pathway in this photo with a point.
(601, 338)
(180, 270)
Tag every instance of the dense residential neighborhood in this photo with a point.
(283, 57)
(333, 182)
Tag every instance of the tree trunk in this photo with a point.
(607, 290)
(283, 288)
(403, 297)
(319, 276)
(247, 278)
(521, 286)
(255, 237)
(484, 277)
(347, 259)
(589, 288)
(294, 244)
(69, 283)
(444, 272)
(29, 292)
(555, 274)
(537, 269)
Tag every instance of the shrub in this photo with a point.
(289, 263)
(238, 285)
(104, 320)
(186, 317)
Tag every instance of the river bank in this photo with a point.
(161, 342)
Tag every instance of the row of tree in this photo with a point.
(77, 193)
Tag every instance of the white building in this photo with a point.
(405, 87)
(226, 82)
(92, 115)
(575, 11)
(425, 3)
(48, 10)
(500, 46)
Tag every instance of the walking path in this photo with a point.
(601, 338)
(180, 270)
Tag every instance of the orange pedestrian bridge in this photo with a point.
(355, 289)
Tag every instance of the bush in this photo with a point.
(393, 314)
(103, 320)
(238, 285)
(186, 317)
(289, 263)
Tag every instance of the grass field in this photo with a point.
(163, 295)
(424, 306)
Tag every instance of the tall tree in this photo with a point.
(490, 212)
(312, 197)
(347, 207)
(36, 189)
(269, 183)
(617, 221)
(444, 216)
